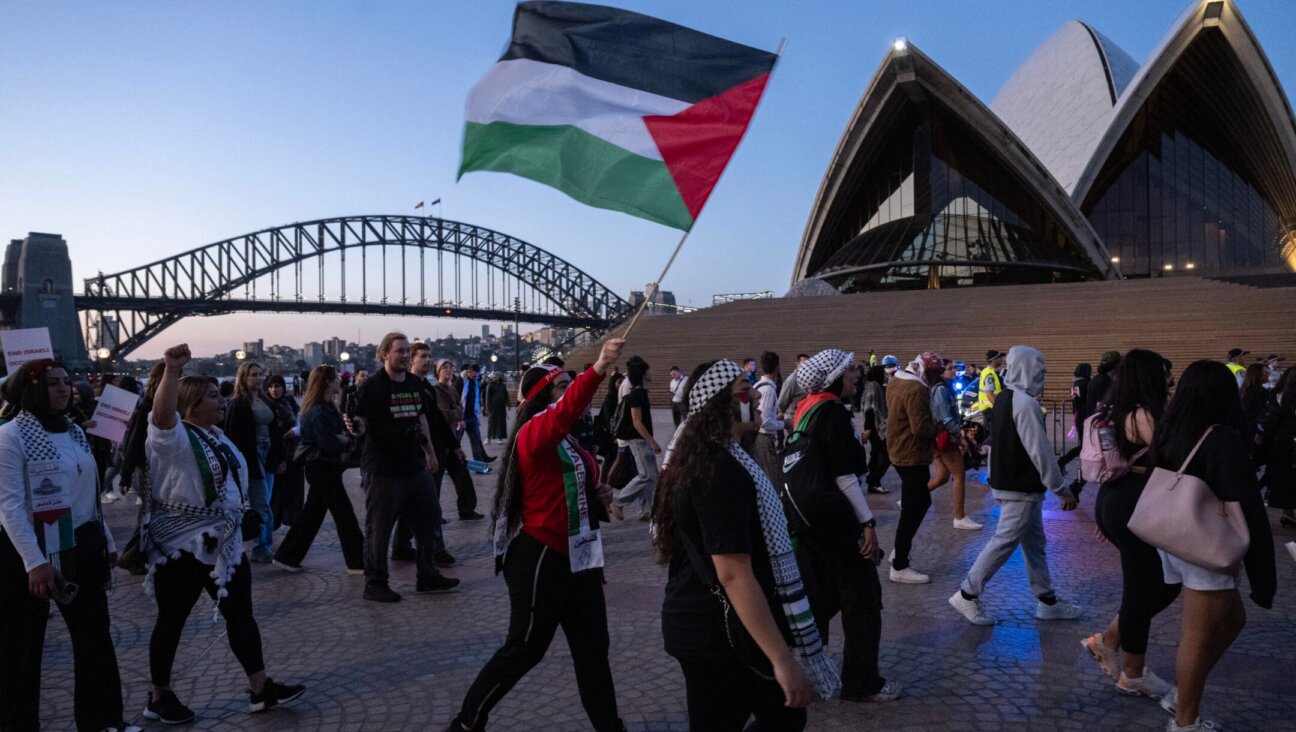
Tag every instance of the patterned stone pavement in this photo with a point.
(407, 666)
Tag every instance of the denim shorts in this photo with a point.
(1193, 576)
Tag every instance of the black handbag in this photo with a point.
(744, 647)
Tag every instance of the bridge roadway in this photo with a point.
(407, 666)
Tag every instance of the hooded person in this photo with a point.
(911, 445)
(836, 532)
(1022, 468)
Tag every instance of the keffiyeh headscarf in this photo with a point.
(924, 362)
(806, 643)
(822, 369)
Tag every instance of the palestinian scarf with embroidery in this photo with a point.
(806, 643)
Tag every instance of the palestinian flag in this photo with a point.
(616, 109)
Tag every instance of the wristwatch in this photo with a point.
(870, 524)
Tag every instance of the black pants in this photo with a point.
(838, 580)
(326, 494)
(1144, 592)
(679, 410)
(96, 696)
(473, 428)
(386, 500)
(879, 460)
(915, 500)
(177, 585)
(544, 594)
(723, 695)
(465, 491)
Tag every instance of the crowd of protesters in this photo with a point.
(758, 505)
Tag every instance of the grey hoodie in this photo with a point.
(1024, 374)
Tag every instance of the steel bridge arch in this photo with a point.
(201, 280)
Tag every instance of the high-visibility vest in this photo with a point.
(989, 385)
(1238, 371)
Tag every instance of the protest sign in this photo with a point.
(26, 344)
(113, 413)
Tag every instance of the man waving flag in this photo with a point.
(616, 109)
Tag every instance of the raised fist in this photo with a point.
(177, 356)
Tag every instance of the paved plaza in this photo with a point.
(406, 666)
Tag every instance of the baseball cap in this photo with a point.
(992, 354)
(1235, 352)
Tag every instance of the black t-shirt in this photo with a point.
(393, 444)
(831, 427)
(717, 511)
(638, 397)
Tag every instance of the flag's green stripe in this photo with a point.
(67, 533)
(570, 487)
(587, 168)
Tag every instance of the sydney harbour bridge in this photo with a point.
(372, 265)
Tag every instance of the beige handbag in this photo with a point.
(1180, 515)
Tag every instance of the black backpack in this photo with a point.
(622, 422)
(810, 496)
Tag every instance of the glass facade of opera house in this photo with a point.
(1185, 165)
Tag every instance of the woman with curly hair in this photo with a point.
(721, 529)
(552, 559)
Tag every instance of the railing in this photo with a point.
(1060, 419)
(736, 296)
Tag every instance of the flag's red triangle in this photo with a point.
(696, 144)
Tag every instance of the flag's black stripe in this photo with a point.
(633, 50)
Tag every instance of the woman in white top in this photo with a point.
(193, 535)
(55, 545)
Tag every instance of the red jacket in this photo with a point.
(544, 493)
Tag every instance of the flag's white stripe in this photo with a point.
(526, 92)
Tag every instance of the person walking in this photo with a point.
(678, 386)
(1022, 467)
(47, 461)
(134, 470)
(723, 535)
(1201, 434)
(397, 460)
(249, 425)
(948, 463)
(911, 445)
(1279, 449)
(837, 543)
(547, 544)
(496, 412)
(289, 485)
(1102, 383)
(636, 429)
(456, 464)
(1136, 403)
(874, 405)
(765, 449)
(324, 438)
(470, 396)
(1079, 413)
(193, 534)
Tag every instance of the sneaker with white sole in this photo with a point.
(1057, 611)
(908, 576)
(1149, 685)
(1291, 549)
(967, 524)
(1107, 658)
(1201, 725)
(890, 691)
(970, 609)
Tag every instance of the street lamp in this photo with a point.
(344, 356)
(102, 355)
(240, 355)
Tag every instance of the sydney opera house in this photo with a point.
(1085, 166)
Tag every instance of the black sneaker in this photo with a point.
(878, 489)
(167, 709)
(381, 593)
(457, 726)
(403, 554)
(471, 516)
(438, 585)
(273, 694)
(443, 558)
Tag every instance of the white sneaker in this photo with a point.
(898, 505)
(1201, 725)
(1291, 549)
(1170, 702)
(970, 609)
(1104, 655)
(108, 497)
(967, 524)
(1149, 685)
(908, 576)
(1057, 611)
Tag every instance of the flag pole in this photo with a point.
(655, 286)
(652, 292)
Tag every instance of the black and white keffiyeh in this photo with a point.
(822, 369)
(718, 377)
(806, 642)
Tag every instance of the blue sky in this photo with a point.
(140, 129)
